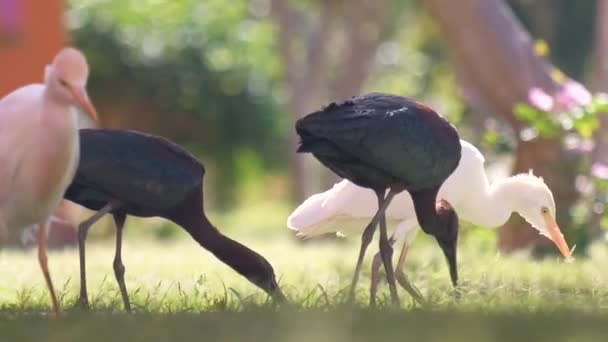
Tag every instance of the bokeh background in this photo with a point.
(227, 80)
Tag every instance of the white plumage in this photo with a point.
(346, 207)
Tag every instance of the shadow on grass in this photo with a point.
(287, 325)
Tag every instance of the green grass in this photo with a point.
(180, 291)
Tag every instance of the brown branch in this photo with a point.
(495, 50)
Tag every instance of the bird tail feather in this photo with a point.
(314, 216)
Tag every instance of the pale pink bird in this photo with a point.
(39, 148)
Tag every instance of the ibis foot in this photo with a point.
(119, 268)
(373, 289)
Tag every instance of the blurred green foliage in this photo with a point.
(583, 120)
(567, 28)
(211, 72)
(207, 68)
(210, 75)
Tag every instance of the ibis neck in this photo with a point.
(212, 240)
(240, 258)
(426, 212)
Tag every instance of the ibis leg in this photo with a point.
(376, 264)
(386, 251)
(402, 278)
(43, 260)
(366, 238)
(83, 230)
(119, 268)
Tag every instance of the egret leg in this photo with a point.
(83, 230)
(366, 238)
(119, 268)
(386, 251)
(43, 260)
(402, 278)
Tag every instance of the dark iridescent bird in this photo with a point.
(125, 172)
(388, 142)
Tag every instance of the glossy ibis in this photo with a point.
(381, 141)
(125, 172)
(344, 206)
(39, 148)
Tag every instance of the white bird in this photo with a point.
(39, 148)
(346, 208)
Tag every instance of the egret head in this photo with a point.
(67, 77)
(534, 202)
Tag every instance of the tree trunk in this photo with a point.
(308, 57)
(304, 71)
(490, 45)
(600, 83)
(354, 64)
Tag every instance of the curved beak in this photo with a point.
(449, 251)
(556, 236)
(80, 94)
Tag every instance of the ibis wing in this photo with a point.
(136, 168)
(392, 134)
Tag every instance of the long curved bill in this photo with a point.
(80, 94)
(557, 237)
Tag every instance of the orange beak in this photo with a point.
(80, 94)
(556, 235)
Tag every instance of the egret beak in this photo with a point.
(556, 236)
(80, 94)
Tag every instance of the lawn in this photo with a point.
(180, 291)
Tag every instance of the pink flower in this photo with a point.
(539, 99)
(599, 170)
(572, 94)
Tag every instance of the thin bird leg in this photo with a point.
(366, 238)
(83, 230)
(119, 268)
(402, 278)
(376, 264)
(43, 260)
(386, 249)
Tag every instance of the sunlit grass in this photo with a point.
(178, 275)
(173, 277)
